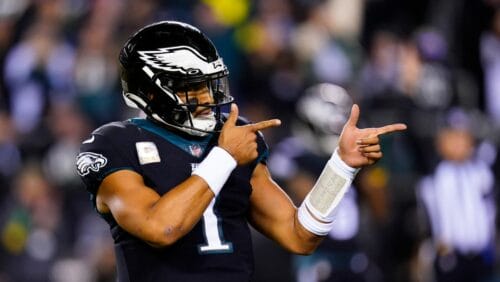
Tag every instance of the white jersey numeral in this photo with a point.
(213, 233)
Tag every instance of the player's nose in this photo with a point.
(204, 97)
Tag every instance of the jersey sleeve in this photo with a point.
(101, 155)
(262, 148)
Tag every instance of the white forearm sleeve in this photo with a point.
(216, 168)
(312, 224)
(317, 211)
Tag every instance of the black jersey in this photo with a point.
(218, 248)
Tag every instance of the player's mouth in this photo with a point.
(207, 112)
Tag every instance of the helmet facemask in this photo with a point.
(188, 113)
(169, 101)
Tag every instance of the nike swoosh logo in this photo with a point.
(90, 140)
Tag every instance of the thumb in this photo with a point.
(233, 115)
(354, 117)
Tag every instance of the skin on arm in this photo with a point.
(272, 211)
(159, 221)
(274, 214)
(162, 220)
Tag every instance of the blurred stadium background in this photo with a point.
(402, 61)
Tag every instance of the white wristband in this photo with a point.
(216, 168)
(341, 166)
(312, 224)
(329, 189)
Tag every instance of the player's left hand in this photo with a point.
(361, 147)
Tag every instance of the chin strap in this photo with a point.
(207, 123)
(199, 127)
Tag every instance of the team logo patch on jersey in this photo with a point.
(196, 150)
(88, 161)
(147, 153)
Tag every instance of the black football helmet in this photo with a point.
(321, 113)
(167, 59)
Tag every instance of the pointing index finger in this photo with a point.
(391, 128)
(265, 124)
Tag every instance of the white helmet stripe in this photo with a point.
(183, 59)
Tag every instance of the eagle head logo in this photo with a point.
(88, 161)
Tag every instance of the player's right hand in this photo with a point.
(241, 141)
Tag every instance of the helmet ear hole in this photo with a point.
(179, 116)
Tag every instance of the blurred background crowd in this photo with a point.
(426, 212)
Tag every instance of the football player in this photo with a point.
(179, 187)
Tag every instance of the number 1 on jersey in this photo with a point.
(213, 233)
